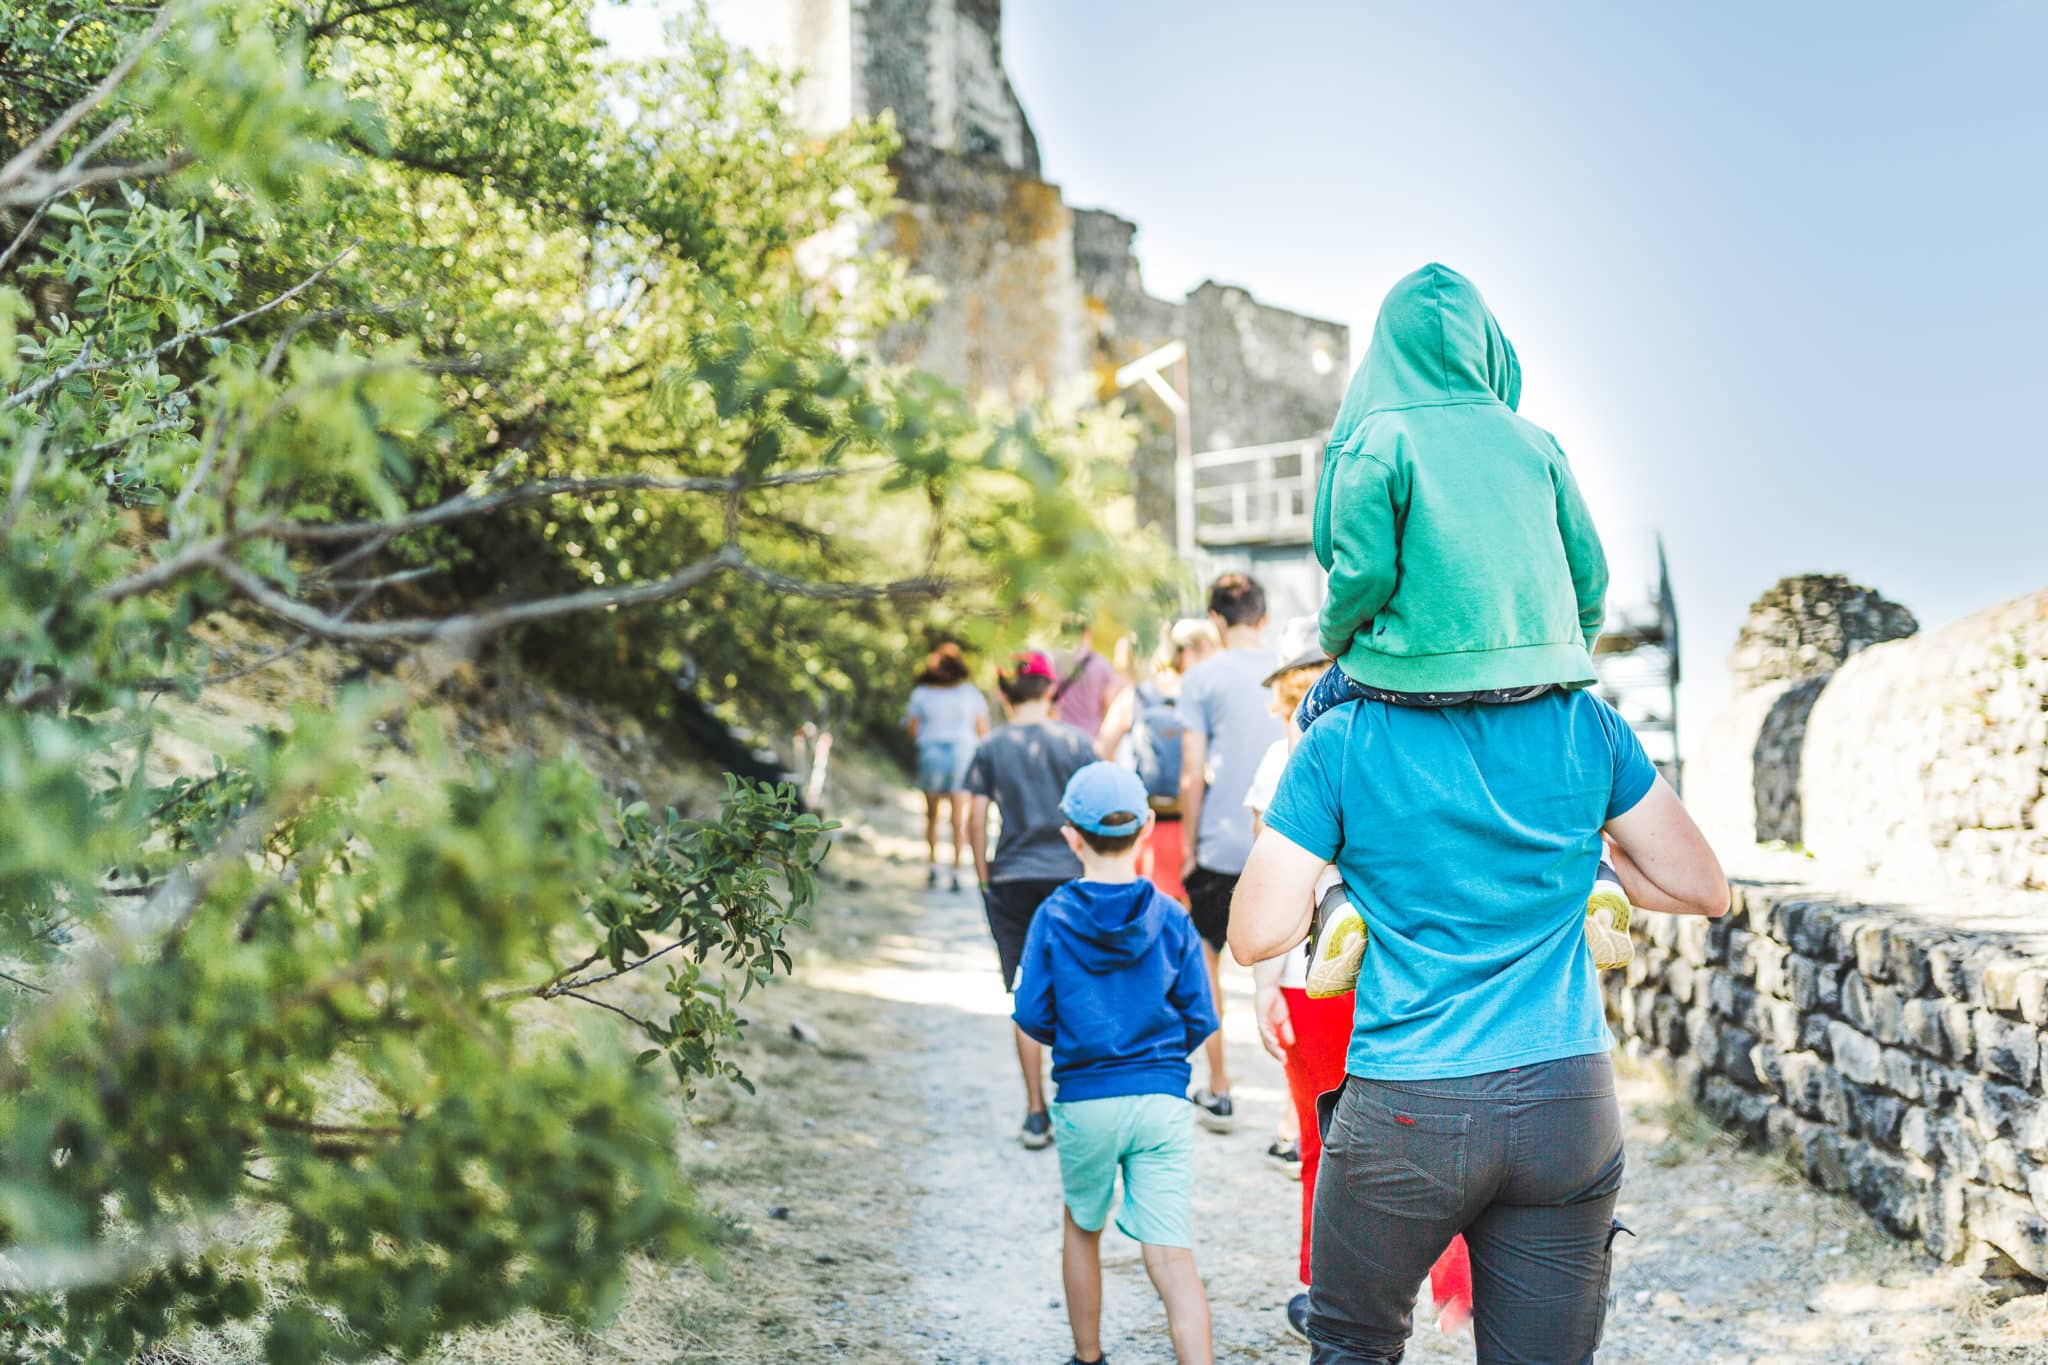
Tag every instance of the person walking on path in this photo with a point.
(1087, 683)
(947, 716)
(1478, 1092)
(1114, 982)
(1023, 769)
(1147, 715)
(1227, 724)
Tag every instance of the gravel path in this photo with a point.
(1736, 1260)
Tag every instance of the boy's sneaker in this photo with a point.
(1607, 918)
(1297, 1316)
(1214, 1112)
(1037, 1131)
(1288, 1156)
(956, 881)
(1340, 937)
(931, 878)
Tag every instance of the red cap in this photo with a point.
(1033, 664)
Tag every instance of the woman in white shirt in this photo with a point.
(948, 717)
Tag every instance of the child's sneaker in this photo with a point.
(1036, 1134)
(1607, 917)
(1339, 940)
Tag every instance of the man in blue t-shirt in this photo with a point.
(1479, 1095)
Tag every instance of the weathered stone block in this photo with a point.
(1906, 963)
(1679, 979)
(1778, 1021)
(1956, 971)
(1813, 1034)
(1692, 940)
(1939, 1028)
(1902, 1071)
(1667, 1026)
(1873, 1008)
(1735, 1063)
(2006, 1048)
(2037, 1189)
(1857, 1056)
(1771, 976)
(1939, 1086)
(1885, 1186)
(2002, 983)
(2030, 994)
(1869, 949)
(1876, 1115)
(2002, 1164)
(1816, 988)
(1961, 1151)
(1730, 999)
(1916, 1134)
(1662, 931)
(1944, 1218)
(2011, 1225)
(1738, 948)
(1997, 1109)
(1829, 1160)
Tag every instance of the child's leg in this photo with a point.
(1187, 1305)
(1031, 1061)
(1332, 689)
(959, 800)
(932, 801)
(1081, 1269)
(1219, 1068)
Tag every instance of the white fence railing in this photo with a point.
(1257, 494)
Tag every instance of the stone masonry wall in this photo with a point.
(1891, 1054)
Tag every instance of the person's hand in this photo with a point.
(1276, 1026)
(1187, 862)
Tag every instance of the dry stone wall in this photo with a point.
(1891, 1056)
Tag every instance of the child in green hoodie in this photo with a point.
(1463, 564)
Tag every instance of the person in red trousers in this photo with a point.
(1309, 1036)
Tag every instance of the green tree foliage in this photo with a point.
(402, 323)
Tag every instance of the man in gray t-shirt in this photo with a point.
(1228, 720)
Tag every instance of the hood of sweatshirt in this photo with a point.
(1436, 341)
(1108, 925)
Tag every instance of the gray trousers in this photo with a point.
(1526, 1163)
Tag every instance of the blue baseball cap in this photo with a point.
(1100, 791)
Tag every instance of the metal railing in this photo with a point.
(1257, 494)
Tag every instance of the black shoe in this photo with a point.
(1297, 1316)
(1037, 1131)
(1215, 1112)
(1099, 1360)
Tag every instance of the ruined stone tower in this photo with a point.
(1037, 292)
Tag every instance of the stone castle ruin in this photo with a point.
(1039, 292)
(1875, 1005)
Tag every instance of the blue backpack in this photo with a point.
(1155, 737)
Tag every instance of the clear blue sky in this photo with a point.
(1778, 274)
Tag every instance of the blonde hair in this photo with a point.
(1290, 687)
(1180, 637)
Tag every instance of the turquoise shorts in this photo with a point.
(1151, 1139)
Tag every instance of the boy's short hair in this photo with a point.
(1238, 599)
(1109, 845)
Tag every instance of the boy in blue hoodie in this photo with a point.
(1114, 981)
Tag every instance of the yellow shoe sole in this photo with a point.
(1339, 952)
(1607, 920)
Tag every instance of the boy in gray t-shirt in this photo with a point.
(1023, 768)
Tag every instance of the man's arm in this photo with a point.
(1116, 724)
(1275, 898)
(1582, 552)
(1664, 861)
(977, 837)
(1194, 785)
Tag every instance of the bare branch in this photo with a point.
(63, 182)
(13, 980)
(40, 146)
(28, 230)
(901, 589)
(627, 1015)
(288, 608)
(468, 504)
(182, 339)
(115, 443)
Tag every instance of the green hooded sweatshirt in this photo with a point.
(1461, 556)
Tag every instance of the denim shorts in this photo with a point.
(1150, 1139)
(942, 764)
